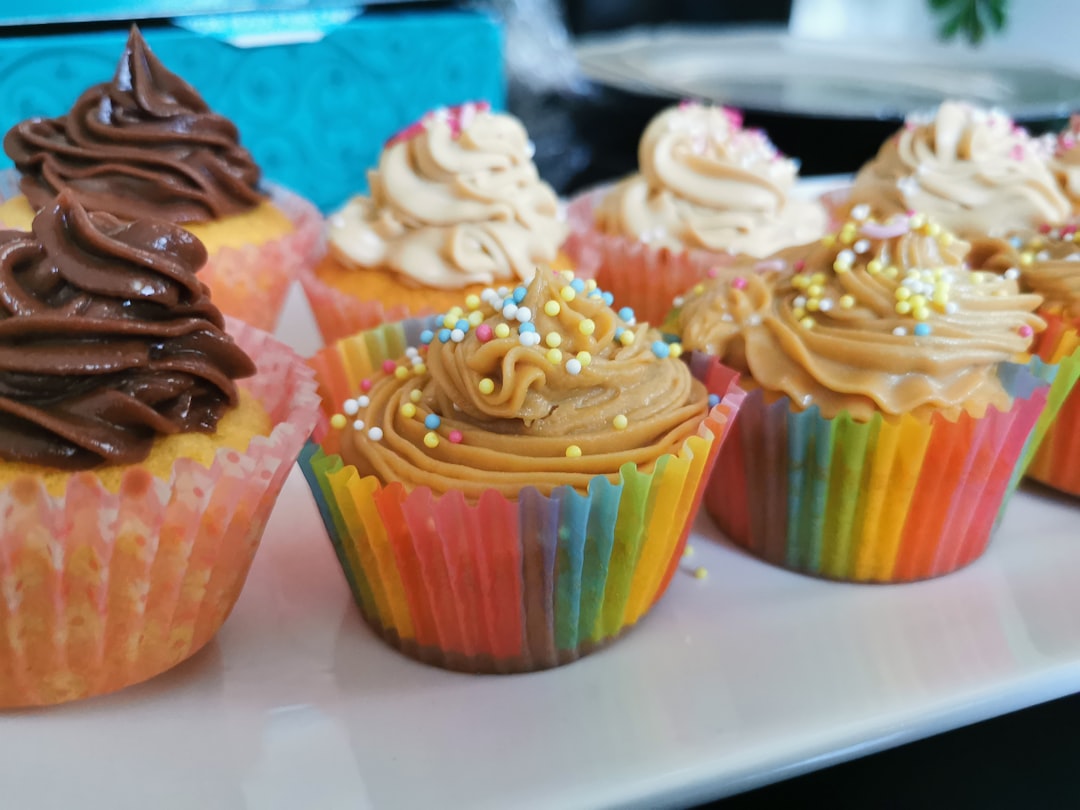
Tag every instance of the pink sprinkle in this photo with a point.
(1017, 152)
(712, 272)
(910, 125)
(458, 118)
(800, 265)
(455, 437)
(484, 333)
(739, 283)
(734, 117)
(388, 366)
(365, 384)
(1025, 331)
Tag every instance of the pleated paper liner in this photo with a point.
(889, 500)
(99, 591)
(503, 585)
(1056, 461)
(641, 277)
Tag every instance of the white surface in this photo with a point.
(742, 678)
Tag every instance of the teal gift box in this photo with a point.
(314, 93)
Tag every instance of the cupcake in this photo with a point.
(1065, 163)
(456, 204)
(972, 170)
(707, 191)
(146, 145)
(141, 451)
(888, 413)
(1048, 264)
(511, 487)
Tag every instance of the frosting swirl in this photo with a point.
(143, 145)
(1047, 264)
(456, 200)
(705, 182)
(973, 170)
(881, 317)
(1066, 161)
(107, 339)
(542, 391)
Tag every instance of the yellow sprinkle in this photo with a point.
(449, 321)
(590, 285)
(587, 326)
(846, 236)
(674, 349)
(554, 356)
(945, 238)
(431, 439)
(807, 322)
(584, 358)
(828, 240)
(976, 278)
(873, 267)
(847, 301)
(620, 422)
(917, 220)
(902, 307)
(800, 282)
(573, 451)
(1027, 257)
(918, 301)
(892, 271)
(502, 330)
(567, 293)
(920, 313)
(932, 229)
(416, 395)
(472, 301)
(553, 339)
(1036, 243)
(401, 372)
(902, 293)
(841, 267)
(814, 290)
(476, 317)
(338, 421)
(818, 278)
(688, 551)
(486, 385)
(813, 304)
(552, 308)
(626, 338)
(419, 368)
(700, 573)
(698, 289)
(454, 311)
(799, 313)
(567, 274)
(408, 410)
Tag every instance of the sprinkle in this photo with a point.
(401, 372)
(873, 267)
(861, 246)
(700, 573)
(902, 293)
(432, 421)
(922, 329)
(584, 358)
(408, 410)
(365, 384)
(416, 395)
(1026, 257)
(375, 434)
(529, 339)
(825, 305)
(388, 366)
(411, 352)
(828, 240)
(527, 327)
(800, 282)
(626, 314)
(427, 336)
(738, 283)
(688, 551)
(1025, 331)
(674, 350)
(860, 212)
(502, 330)
(626, 338)
(524, 314)
(431, 439)
(455, 437)
(484, 333)
(358, 424)
(519, 294)
(461, 324)
(350, 407)
(338, 421)
(586, 326)
(552, 308)
(457, 335)
(553, 339)
(902, 307)
(444, 335)
(607, 298)
(899, 331)
(475, 318)
(620, 422)
(714, 400)
(573, 366)
(660, 349)
(419, 368)
(807, 322)
(472, 301)
(951, 308)
(814, 290)
(847, 301)
(509, 311)
(799, 302)
(1012, 273)
(844, 259)
(573, 451)
(554, 356)
(361, 402)
(486, 385)
(567, 293)
(578, 285)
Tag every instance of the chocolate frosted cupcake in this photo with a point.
(516, 489)
(147, 145)
(136, 473)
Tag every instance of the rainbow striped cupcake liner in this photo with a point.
(503, 585)
(101, 590)
(889, 500)
(1056, 455)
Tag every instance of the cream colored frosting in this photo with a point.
(705, 182)
(1066, 162)
(455, 201)
(973, 170)
(524, 412)
(881, 317)
(1047, 264)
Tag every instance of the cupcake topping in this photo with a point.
(541, 385)
(1066, 161)
(456, 200)
(1046, 262)
(705, 182)
(880, 316)
(107, 339)
(973, 170)
(143, 145)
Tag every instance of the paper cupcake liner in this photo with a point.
(889, 500)
(339, 315)
(503, 585)
(99, 591)
(1056, 448)
(252, 282)
(646, 279)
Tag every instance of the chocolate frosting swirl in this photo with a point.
(143, 145)
(107, 339)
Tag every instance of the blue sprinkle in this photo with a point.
(714, 400)
(432, 421)
(528, 326)
(427, 336)
(463, 325)
(519, 295)
(922, 329)
(660, 349)
(607, 298)
(618, 332)
(1016, 242)
(444, 335)
(577, 285)
(626, 313)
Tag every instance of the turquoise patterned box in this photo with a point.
(314, 113)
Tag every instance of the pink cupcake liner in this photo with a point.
(99, 591)
(338, 314)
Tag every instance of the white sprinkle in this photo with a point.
(899, 331)
(375, 434)
(753, 320)
(1042, 255)
(363, 401)
(951, 308)
(529, 339)
(860, 212)
(510, 311)
(800, 301)
(524, 314)
(358, 424)
(825, 305)
(503, 292)
(412, 352)
(726, 317)
(861, 246)
(416, 361)
(1012, 273)
(573, 366)
(845, 256)
(457, 335)
(350, 407)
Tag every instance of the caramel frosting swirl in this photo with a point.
(881, 317)
(1066, 162)
(143, 145)
(107, 339)
(973, 170)
(707, 183)
(545, 387)
(456, 200)
(1046, 263)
